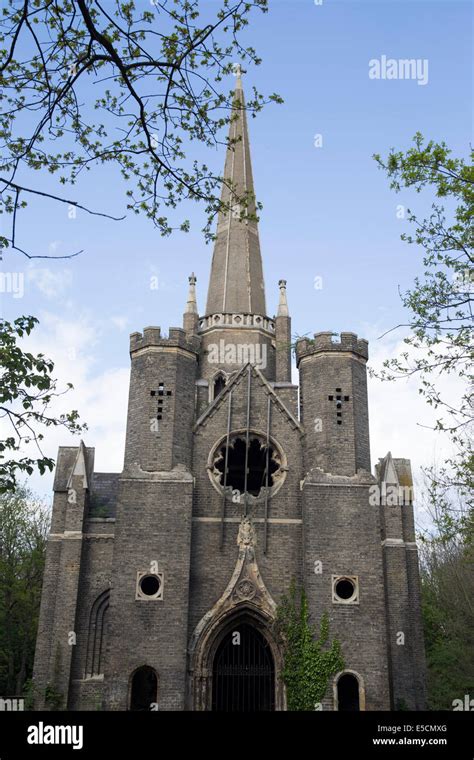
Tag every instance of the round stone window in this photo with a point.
(264, 464)
(150, 585)
(345, 589)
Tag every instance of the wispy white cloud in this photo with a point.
(398, 412)
(120, 322)
(400, 419)
(51, 284)
(99, 396)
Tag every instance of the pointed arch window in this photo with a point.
(97, 635)
(219, 384)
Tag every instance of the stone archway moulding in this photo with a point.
(245, 599)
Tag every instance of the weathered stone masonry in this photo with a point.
(235, 482)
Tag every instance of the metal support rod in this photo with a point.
(226, 462)
(247, 439)
(267, 476)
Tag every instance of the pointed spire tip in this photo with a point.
(236, 270)
(238, 71)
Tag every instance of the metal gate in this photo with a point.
(243, 672)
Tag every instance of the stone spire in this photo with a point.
(236, 282)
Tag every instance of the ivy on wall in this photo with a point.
(308, 660)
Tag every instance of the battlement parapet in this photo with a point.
(152, 336)
(324, 342)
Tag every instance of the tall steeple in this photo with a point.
(236, 282)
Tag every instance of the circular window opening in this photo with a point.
(262, 463)
(150, 585)
(345, 589)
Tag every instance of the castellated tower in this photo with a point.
(334, 406)
(342, 532)
(162, 582)
(161, 400)
(153, 520)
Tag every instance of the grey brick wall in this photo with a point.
(343, 533)
(153, 524)
(260, 342)
(168, 509)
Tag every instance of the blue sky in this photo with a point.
(328, 212)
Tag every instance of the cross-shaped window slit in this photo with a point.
(160, 392)
(339, 398)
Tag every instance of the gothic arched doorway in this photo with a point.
(144, 686)
(243, 672)
(348, 693)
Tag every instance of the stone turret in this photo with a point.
(161, 399)
(334, 405)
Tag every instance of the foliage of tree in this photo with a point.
(85, 83)
(24, 523)
(27, 388)
(135, 87)
(308, 660)
(447, 583)
(440, 304)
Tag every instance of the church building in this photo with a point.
(162, 582)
